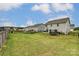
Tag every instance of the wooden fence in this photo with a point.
(3, 37)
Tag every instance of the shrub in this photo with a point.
(61, 33)
(31, 32)
(74, 33)
(77, 28)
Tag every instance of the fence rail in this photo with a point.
(3, 37)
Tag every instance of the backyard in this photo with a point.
(40, 44)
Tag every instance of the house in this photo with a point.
(36, 27)
(61, 25)
(1, 28)
(18, 28)
(11, 28)
(5, 28)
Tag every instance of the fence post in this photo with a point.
(0, 40)
(7, 31)
(3, 37)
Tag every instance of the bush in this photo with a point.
(61, 33)
(31, 32)
(75, 33)
(77, 28)
(19, 31)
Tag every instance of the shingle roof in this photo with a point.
(72, 25)
(58, 21)
(36, 25)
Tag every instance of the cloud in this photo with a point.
(29, 22)
(35, 8)
(42, 7)
(9, 6)
(6, 22)
(22, 26)
(57, 7)
(62, 6)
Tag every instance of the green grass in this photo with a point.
(40, 44)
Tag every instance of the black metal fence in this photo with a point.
(3, 37)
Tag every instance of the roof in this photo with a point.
(59, 21)
(72, 25)
(36, 25)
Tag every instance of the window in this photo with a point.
(57, 25)
(46, 25)
(51, 25)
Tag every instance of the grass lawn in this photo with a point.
(40, 44)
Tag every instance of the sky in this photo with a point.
(26, 14)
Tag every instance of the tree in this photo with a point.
(76, 28)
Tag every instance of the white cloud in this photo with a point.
(7, 24)
(35, 8)
(62, 6)
(9, 6)
(29, 22)
(47, 8)
(22, 26)
(42, 7)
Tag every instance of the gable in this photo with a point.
(58, 21)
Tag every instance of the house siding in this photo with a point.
(63, 27)
(39, 28)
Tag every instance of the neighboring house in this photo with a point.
(5, 28)
(61, 25)
(36, 27)
(11, 28)
(72, 26)
(18, 28)
(1, 28)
